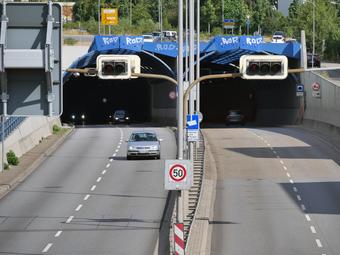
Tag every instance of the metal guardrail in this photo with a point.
(11, 123)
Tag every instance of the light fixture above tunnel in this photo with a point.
(264, 67)
(111, 67)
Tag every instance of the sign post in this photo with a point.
(109, 17)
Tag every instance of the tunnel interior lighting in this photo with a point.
(264, 67)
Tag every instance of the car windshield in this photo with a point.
(119, 113)
(141, 137)
(235, 112)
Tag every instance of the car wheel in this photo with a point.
(128, 157)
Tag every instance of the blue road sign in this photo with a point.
(300, 88)
(193, 122)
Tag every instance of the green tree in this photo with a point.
(236, 9)
(208, 15)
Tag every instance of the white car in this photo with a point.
(148, 38)
(278, 37)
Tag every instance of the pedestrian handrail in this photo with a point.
(11, 123)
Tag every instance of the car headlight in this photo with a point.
(127, 118)
(154, 147)
(132, 147)
(83, 116)
(73, 116)
(116, 118)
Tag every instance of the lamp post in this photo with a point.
(248, 23)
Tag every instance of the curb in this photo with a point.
(33, 166)
(200, 239)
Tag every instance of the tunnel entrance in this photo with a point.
(94, 101)
(262, 102)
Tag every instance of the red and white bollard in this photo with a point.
(179, 239)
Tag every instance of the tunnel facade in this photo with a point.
(263, 102)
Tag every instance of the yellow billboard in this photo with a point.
(110, 16)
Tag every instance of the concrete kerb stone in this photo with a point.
(200, 237)
(6, 188)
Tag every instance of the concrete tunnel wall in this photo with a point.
(323, 112)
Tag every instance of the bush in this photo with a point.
(56, 129)
(70, 41)
(12, 159)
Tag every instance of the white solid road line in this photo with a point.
(86, 197)
(99, 179)
(307, 217)
(318, 242)
(47, 247)
(69, 219)
(93, 187)
(312, 228)
(58, 233)
(79, 207)
(108, 165)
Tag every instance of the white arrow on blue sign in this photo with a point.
(193, 122)
(300, 88)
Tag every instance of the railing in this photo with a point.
(11, 123)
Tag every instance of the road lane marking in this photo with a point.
(69, 219)
(79, 207)
(281, 162)
(298, 197)
(274, 152)
(312, 228)
(108, 165)
(288, 174)
(116, 150)
(285, 168)
(118, 147)
(307, 217)
(58, 233)
(111, 159)
(318, 243)
(114, 154)
(104, 172)
(277, 156)
(47, 247)
(93, 187)
(295, 189)
(303, 207)
(86, 197)
(99, 179)
(291, 181)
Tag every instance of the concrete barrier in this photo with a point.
(31, 131)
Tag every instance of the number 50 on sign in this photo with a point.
(178, 175)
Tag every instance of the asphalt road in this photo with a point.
(278, 192)
(86, 198)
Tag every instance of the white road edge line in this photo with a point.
(86, 197)
(116, 150)
(285, 168)
(307, 217)
(318, 242)
(312, 228)
(99, 179)
(79, 207)
(69, 219)
(288, 174)
(281, 162)
(114, 154)
(111, 159)
(58, 233)
(93, 187)
(47, 247)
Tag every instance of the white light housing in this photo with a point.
(117, 66)
(264, 67)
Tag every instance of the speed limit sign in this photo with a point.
(178, 175)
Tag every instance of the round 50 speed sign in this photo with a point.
(178, 173)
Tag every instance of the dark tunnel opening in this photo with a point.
(97, 100)
(262, 102)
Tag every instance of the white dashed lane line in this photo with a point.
(58, 233)
(298, 197)
(303, 207)
(111, 159)
(47, 247)
(312, 229)
(79, 207)
(282, 162)
(108, 165)
(285, 168)
(318, 243)
(307, 217)
(295, 189)
(69, 219)
(86, 197)
(99, 179)
(291, 181)
(93, 187)
(288, 174)
(104, 172)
